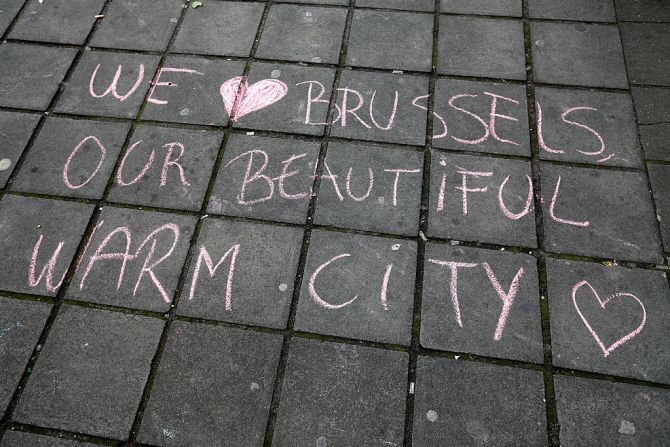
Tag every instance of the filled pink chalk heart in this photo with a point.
(240, 98)
(607, 350)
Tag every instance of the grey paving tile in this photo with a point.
(481, 117)
(318, 2)
(660, 184)
(394, 40)
(643, 10)
(335, 394)
(15, 131)
(166, 167)
(599, 213)
(133, 25)
(486, 7)
(359, 287)
(508, 409)
(654, 140)
(226, 397)
(265, 178)
(610, 320)
(91, 89)
(619, 413)
(407, 5)
(652, 104)
(133, 259)
(21, 323)
(30, 74)
(483, 47)
(42, 236)
(242, 272)
(578, 54)
(647, 49)
(587, 127)
(371, 188)
(91, 372)
(22, 439)
(58, 21)
(303, 33)
(284, 98)
(591, 11)
(188, 90)
(481, 302)
(8, 10)
(481, 199)
(221, 28)
(386, 107)
(72, 158)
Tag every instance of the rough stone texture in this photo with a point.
(335, 394)
(26, 222)
(394, 40)
(643, 10)
(485, 7)
(578, 54)
(626, 311)
(654, 140)
(261, 282)
(8, 10)
(484, 47)
(599, 213)
(226, 396)
(508, 409)
(89, 149)
(660, 184)
(22, 439)
(371, 188)
(647, 48)
(91, 372)
(591, 11)
(21, 323)
(15, 131)
(344, 294)
(408, 5)
(485, 327)
(620, 413)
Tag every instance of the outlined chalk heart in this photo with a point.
(240, 98)
(607, 350)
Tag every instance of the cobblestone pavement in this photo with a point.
(334, 222)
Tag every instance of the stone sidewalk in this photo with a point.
(334, 222)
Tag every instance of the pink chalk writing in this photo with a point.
(314, 99)
(526, 208)
(312, 290)
(506, 297)
(75, 151)
(453, 285)
(371, 181)
(552, 213)
(464, 185)
(47, 270)
(113, 86)
(240, 98)
(487, 132)
(168, 162)
(158, 83)
(203, 255)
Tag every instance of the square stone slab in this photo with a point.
(72, 158)
(15, 131)
(407, 5)
(587, 127)
(591, 11)
(660, 184)
(622, 414)
(358, 287)
(469, 403)
(647, 48)
(465, 200)
(136, 25)
(655, 141)
(652, 104)
(303, 33)
(591, 212)
(21, 323)
(321, 2)
(188, 90)
(226, 397)
(394, 40)
(371, 188)
(485, 7)
(222, 28)
(59, 21)
(91, 372)
(643, 10)
(22, 439)
(610, 320)
(578, 54)
(8, 10)
(336, 394)
(250, 183)
(242, 272)
(304, 107)
(483, 47)
(133, 259)
(30, 74)
(32, 227)
(465, 110)
(481, 302)
(91, 89)
(370, 100)
(178, 177)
